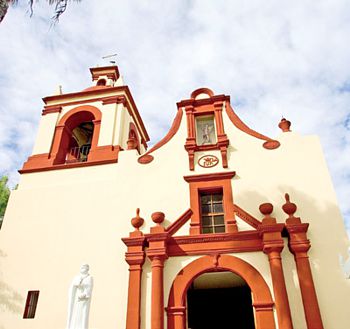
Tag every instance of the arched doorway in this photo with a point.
(261, 297)
(219, 300)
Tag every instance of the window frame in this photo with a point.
(31, 304)
(211, 182)
(197, 132)
(212, 214)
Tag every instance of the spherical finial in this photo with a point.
(158, 217)
(289, 208)
(284, 125)
(266, 208)
(137, 221)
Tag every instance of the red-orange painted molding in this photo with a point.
(245, 241)
(101, 94)
(56, 158)
(51, 109)
(175, 226)
(41, 162)
(147, 157)
(208, 106)
(204, 101)
(269, 142)
(209, 182)
(210, 177)
(273, 243)
(248, 218)
(199, 91)
(135, 257)
(112, 72)
(262, 299)
(299, 246)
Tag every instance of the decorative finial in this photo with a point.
(158, 217)
(289, 208)
(266, 209)
(137, 221)
(285, 125)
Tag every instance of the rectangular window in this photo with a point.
(205, 130)
(212, 213)
(32, 301)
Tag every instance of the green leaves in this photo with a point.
(4, 195)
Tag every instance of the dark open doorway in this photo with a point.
(219, 300)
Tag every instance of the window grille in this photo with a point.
(212, 213)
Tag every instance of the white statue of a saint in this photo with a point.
(79, 299)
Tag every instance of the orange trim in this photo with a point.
(112, 72)
(56, 159)
(220, 243)
(147, 157)
(65, 99)
(199, 91)
(201, 102)
(210, 177)
(200, 183)
(212, 105)
(269, 144)
(273, 245)
(133, 138)
(135, 257)
(110, 100)
(248, 218)
(51, 109)
(40, 162)
(299, 246)
(262, 300)
(64, 127)
(175, 226)
(156, 252)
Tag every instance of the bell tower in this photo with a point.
(89, 127)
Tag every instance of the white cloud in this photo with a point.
(274, 58)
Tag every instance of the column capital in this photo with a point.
(189, 108)
(157, 255)
(218, 105)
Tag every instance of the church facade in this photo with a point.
(215, 226)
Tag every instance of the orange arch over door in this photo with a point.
(262, 299)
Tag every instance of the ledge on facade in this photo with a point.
(43, 162)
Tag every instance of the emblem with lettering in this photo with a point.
(208, 161)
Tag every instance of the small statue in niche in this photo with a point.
(79, 299)
(345, 265)
(206, 132)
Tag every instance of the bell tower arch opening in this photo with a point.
(219, 300)
(76, 135)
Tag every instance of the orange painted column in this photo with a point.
(176, 317)
(264, 315)
(135, 257)
(272, 246)
(60, 144)
(299, 246)
(133, 319)
(157, 308)
(158, 255)
(223, 141)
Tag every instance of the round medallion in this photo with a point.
(208, 161)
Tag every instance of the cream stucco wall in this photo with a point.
(58, 219)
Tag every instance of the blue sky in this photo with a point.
(274, 58)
